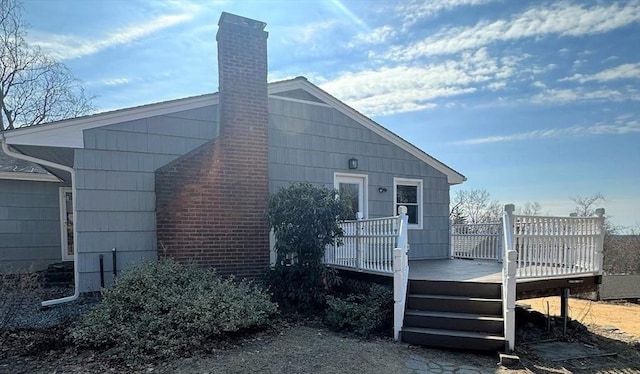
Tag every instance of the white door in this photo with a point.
(353, 187)
(66, 223)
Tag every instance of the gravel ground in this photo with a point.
(24, 311)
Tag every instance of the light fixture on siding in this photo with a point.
(353, 163)
(382, 189)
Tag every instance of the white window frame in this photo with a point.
(409, 182)
(63, 222)
(344, 177)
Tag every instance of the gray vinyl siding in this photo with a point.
(115, 192)
(29, 225)
(310, 142)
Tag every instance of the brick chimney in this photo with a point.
(212, 203)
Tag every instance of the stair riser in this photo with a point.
(457, 342)
(456, 306)
(459, 324)
(469, 289)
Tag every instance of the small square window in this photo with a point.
(408, 192)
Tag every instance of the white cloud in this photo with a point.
(562, 19)
(405, 88)
(626, 71)
(115, 81)
(629, 127)
(375, 36)
(539, 84)
(64, 47)
(420, 9)
(307, 33)
(562, 96)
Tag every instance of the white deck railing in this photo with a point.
(366, 245)
(557, 246)
(546, 247)
(380, 246)
(479, 241)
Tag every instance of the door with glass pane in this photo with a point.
(66, 223)
(353, 188)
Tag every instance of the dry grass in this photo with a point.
(625, 316)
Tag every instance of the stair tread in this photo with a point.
(425, 313)
(449, 297)
(461, 334)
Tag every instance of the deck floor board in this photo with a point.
(456, 270)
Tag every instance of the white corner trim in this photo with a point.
(308, 102)
(35, 177)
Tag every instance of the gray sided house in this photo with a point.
(190, 178)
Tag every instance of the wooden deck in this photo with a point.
(456, 270)
(488, 271)
(483, 271)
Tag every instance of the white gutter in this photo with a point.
(5, 148)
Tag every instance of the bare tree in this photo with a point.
(476, 206)
(621, 252)
(586, 205)
(530, 209)
(456, 215)
(33, 87)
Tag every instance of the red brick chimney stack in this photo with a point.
(212, 203)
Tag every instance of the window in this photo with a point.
(408, 192)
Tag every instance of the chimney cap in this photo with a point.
(241, 21)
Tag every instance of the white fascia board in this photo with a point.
(35, 177)
(69, 133)
(453, 177)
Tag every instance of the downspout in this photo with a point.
(5, 148)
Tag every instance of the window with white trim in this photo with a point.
(408, 192)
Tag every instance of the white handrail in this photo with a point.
(366, 245)
(400, 273)
(478, 241)
(558, 246)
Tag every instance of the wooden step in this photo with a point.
(470, 289)
(452, 339)
(454, 304)
(454, 321)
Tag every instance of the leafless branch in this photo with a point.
(33, 88)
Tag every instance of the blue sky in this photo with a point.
(531, 100)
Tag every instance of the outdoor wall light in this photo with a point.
(353, 163)
(382, 189)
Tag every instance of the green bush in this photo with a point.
(299, 289)
(164, 308)
(304, 222)
(362, 314)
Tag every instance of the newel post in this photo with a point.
(600, 240)
(509, 268)
(358, 244)
(400, 274)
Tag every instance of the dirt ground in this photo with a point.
(623, 316)
(292, 349)
(311, 348)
